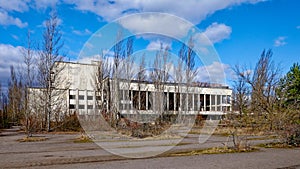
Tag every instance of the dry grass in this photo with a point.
(83, 139)
(65, 132)
(214, 150)
(275, 145)
(33, 139)
(226, 131)
(138, 146)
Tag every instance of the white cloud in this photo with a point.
(24, 5)
(14, 5)
(157, 24)
(215, 73)
(7, 20)
(82, 33)
(193, 10)
(213, 34)
(10, 55)
(280, 41)
(217, 32)
(44, 4)
(156, 45)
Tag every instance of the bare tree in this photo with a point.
(263, 82)
(141, 75)
(28, 77)
(187, 55)
(14, 97)
(128, 72)
(102, 74)
(4, 108)
(186, 73)
(49, 69)
(159, 77)
(119, 55)
(241, 91)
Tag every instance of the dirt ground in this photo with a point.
(60, 151)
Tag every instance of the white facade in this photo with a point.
(142, 97)
(199, 100)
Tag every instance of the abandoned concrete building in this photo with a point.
(143, 97)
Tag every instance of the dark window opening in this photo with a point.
(207, 102)
(81, 97)
(90, 106)
(72, 106)
(177, 101)
(135, 99)
(81, 106)
(171, 101)
(201, 102)
(143, 100)
(72, 97)
(149, 101)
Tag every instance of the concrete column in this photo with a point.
(124, 101)
(94, 102)
(68, 101)
(139, 100)
(86, 102)
(210, 102)
(174, 100)
(230, 103)
(180, 102)
(216, 102)
(187, 101)
(77, 100)
(221, 102)
(154, 101)
(193, 100)
(168, 100)
(131, 98)
(199, 103)
(204, 104)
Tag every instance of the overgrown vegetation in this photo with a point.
(33, 139)
(83, 139)
(214, 150)
(265, 102)
(30, 99)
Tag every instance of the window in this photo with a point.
(72, 106)
(72, 97)
(150, 101)
(184, 100)
(202, 102)
(213, 100)
(177, 101)
(218, 99)
(135, 99)
(143, 100)
(81, 106)
(196, 102)
(171, 101)
(90, 97)
(90, 106)
(81, 97)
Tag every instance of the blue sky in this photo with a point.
(238, 29)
